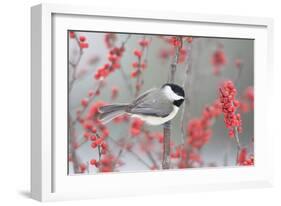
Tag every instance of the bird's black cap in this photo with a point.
(179, 91)
(176, 88)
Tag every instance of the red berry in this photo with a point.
(93, 138)
(143, 43)
(84, 102)
(84, 45)
(83, 167)
(72, 34)
(135, 64)
(94, 129)
(82, 38)
(94, 145)
(93, 162)
(134, 73)
(137, 53)
(189, 39)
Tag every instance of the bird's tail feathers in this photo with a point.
(109, 112)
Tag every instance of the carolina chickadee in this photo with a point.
(155, 106)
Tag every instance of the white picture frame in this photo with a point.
(49, 179)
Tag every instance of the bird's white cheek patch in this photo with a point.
(170, 94)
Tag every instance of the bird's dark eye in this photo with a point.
(178, 102)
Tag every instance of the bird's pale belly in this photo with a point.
(152, 120)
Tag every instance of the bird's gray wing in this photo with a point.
(143, 95)
(153, 103)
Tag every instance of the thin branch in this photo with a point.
(127, 81)
(236, 135)
(91, 99)
(75, 65)
(186, 83)
(124, 76)
(72, 152)
(72, 138)
(166, 145)
(130, 151)
(167, 125)
(99, 147)
(151, 158)
(139, 77)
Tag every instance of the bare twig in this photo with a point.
(99, 147)
(139, 77)
(72, 152)
(72, 138)
(127, 81)
(236, 135)
(130, 151)
(166, 145)
(124, 76)
(91, 99)
(167, 125)
(186, 83)
(151, 158)
(75, 65)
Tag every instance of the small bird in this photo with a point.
(155, 106)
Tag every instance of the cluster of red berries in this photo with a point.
(144, 42)
(82, 167)
(182, 54)
(114, 57)
(136, 127)
(218, 60)
(81, 41)
(106, 164)
(186, 159)
(94, 109)
(173, 40)
(198, 129)
(244, 158)
(92, 124)
(93, 128)
(138, 65)
(227, 93)
(198, 133)
(110, 39)
(72, 34)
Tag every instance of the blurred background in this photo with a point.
(209, 62)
